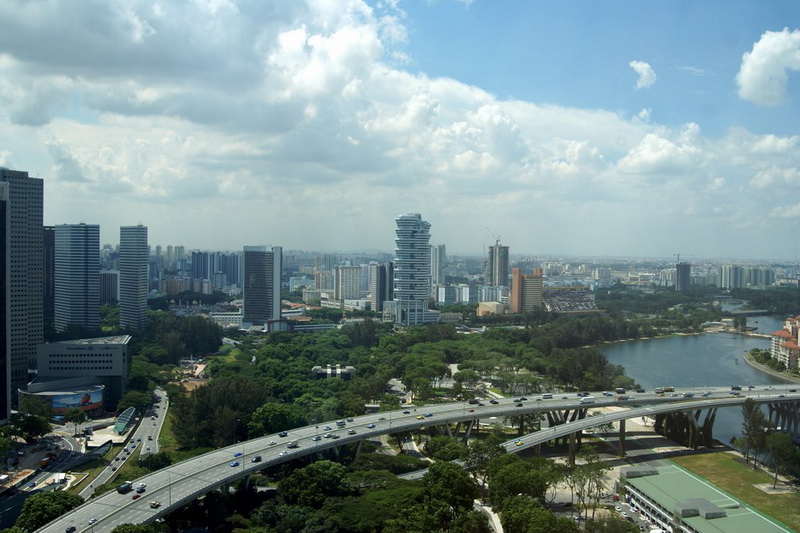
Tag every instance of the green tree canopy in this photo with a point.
(44, 507)
(75, 415)
(310, 486)
(449, 485)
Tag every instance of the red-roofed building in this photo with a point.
(784, 346)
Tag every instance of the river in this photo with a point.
(697, 361)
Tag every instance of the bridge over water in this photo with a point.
(183, 482)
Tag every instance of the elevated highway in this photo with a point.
(183, 482)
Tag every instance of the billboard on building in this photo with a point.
(88, 401)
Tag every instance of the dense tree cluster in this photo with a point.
(44, 507)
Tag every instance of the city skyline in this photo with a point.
(622, 130)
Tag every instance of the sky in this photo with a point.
(626, 128)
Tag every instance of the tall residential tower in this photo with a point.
(412, 272)
(133, 264)
(77, 276)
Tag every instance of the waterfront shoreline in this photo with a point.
(766, 370)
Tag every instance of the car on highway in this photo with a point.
(351, 432)
(420, 417)
(149, 437)
(327, 428)
(335, 436)
(327, 435)
(349, 418)
(234, 464)
(70, 529)
(139, 439)
(519, 442)
(155, 504)
(92, 520)
(136, 496)
(271, 443)
(237, 454)
(316, 437)
(370, 426)
(428, 415)
(406, 412)
(282, 434)
(493, 402)
(470, 410)
(518, 405)
(256, 459)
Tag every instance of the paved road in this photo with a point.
(185, 481)
(144, 437)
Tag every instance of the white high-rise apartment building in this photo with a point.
(412, 272)
(438, 262)
(347, 283)
(133, 264)
(25, 273)
(77, 276)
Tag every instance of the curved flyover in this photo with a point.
(183, 482)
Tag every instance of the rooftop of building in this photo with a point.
(673, 487)
(114, 339)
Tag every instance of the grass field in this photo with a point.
(728, 472)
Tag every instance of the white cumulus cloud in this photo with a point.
(762, 77)
(647, 76)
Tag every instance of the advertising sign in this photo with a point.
(87, 401)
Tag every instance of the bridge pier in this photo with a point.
(573, 448)
(684, 427)
(468, 431)
(621, 440)
(557, 418)
(785, 415)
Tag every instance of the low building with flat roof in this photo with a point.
(83, 368)
(676, 500)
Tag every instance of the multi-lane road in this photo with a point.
(144, 438)
(185, 481)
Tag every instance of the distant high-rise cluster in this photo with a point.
(60, 275)
(738, 277)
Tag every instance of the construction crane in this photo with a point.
(496, 237)
(678, 256)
